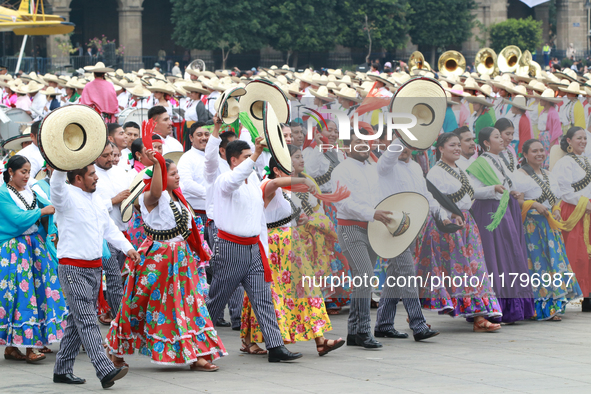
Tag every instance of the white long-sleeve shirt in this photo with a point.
(191, 169)
(239, 205)
(446, 183)
(37, 104)
(397, 176)
(317, 164)
(532, 191)
(214, 167)
(464, 163)
(483, 192)
(83, 222)
(567, 172)
(112, 182)
(33, 154)
(361, 179)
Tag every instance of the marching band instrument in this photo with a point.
(486, 62)
(416, 61)
(508, 60)
(451, 63)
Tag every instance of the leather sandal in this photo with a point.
(34, 357)
(105, 319)
(325, 348)
(333, 311)
(204, 367)
(249, 349)
(485, 326)
(14, 354)
(45, 350)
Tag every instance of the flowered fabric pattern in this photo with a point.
(135, 230)
(546, 255)
(455, 255)
(339, 265)
(33, 310)
(300, 318)
(163, 314)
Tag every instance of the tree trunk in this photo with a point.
(223, 59)
(288, 56)
(295, 60)
(369, 38)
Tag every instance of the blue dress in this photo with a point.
(33, 310)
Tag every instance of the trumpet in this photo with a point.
(508, 59)
(416, 61)
(451, 62)
(486, 62)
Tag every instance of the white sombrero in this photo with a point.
(548, 95)
(322, 93)
(426, 100)
(135, 189)
(518, 101)
(139, 91)
(479, 99)
(98, 68)
(72, 137)
(41, 174)
(16, 143)
(274, 139)
(174, 156)
(227, 105)
(194, 86)
(348, 93)
(409, 213)
(50, 91)
(259, 91)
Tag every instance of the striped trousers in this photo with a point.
(401, 266)
(237, 298)
(112, 267)
(81, 288)
(362, 259)
(235, 265)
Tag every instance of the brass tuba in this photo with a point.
(508, 59)
(527, 66)
(486, 62)
(451, 62)
(416, 61)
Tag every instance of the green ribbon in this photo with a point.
(267, 171)
(247, 123)
(485, 174)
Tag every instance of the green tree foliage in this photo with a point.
(525, 33)
(441, 23)
(302, 25)
(374, 24)
(203, 24)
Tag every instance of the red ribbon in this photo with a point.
(250, 241)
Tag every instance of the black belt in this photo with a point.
(181, 228)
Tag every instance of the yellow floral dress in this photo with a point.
(295, 253)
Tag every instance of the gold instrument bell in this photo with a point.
(527, 66)
(508, 60)
(486, 62)
(451, 62)
(416, 61)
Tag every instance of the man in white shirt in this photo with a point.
(119, 138)
(191, 167)
(38, 100)
(467, 146)
(213, 96)
(112, 188)
(164, 129)
(242, 245)
(32, 153)
(132, 131)
(83, 223)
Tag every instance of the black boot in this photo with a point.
(281, 353)
(586, 305)
(367, 341)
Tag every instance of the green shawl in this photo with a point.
(482, 170)
(247, 123)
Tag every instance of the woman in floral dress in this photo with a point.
(548, 263)
(455, 254)
(33, 310)
(163, 313)
(298, 239)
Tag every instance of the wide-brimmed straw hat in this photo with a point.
(227, 105)
(426, 100)
(349, 94)
(16, 143)
(322, 93)
(409, 213)
(135, 189)
(139, 91)
(479, 99)
(98, 68)
(34, 87)
(382, 79)
(161, 87)
(457, 90)
(50, 91)
(72, 137)
(274, 139)
(519, 101)
(548, 95)
(258, 92)
(573, 88)
(194, 86)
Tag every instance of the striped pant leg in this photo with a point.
(81, 287)
(402, 266)
(235, 306)
(261, 299)
(112, 267)
(361, 258)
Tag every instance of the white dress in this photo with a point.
(162, 217)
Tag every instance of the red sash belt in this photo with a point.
(346, 222)
(98, 263)
(200, 211)
(249, 241)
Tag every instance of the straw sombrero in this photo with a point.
(161, 87)
(259, 91)
(72, 137)
(135, 189)
(556, 153)
(409, 213)
(227, 105)
(50, 91)
(518, 101)
(139, 91)
(274, 138)
(16, 143)
(573, 88)
(426, 100)
(174, 156)
(548, 95)
(34, 87)
(322, 93)
(194, 87)
(98, 68)
(41, 174)
(348, 93)
(480, 99)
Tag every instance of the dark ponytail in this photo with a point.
(484, 135)
(441, 140)
(503, 124)
(15, 163)
(273, 163)
(569, 134)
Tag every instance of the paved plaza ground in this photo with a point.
(529, 357)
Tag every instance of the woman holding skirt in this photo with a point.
(498, 216)
(455, 250)
(300, 309)
(552, 278)
(163, 313)
(33, 310)
(573, 173)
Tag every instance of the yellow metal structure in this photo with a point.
(30, 19)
